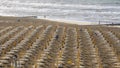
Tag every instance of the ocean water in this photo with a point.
(80, 10)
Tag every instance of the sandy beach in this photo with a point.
(47, 43)
(59, 33)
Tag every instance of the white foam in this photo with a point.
(17, 3)
(52, 7)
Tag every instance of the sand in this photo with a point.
(57, 43)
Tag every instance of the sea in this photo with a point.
(105, 11)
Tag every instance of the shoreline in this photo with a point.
(74, 22)
(32, 19)
(71, 21)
